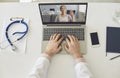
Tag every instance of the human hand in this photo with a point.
(72, 13)
(73, 47)
(54, 44)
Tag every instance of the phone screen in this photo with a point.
(94, 38)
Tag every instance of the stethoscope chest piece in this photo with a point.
(14, 48)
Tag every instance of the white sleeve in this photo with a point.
(82, 70)
(40, 68)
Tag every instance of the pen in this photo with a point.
(115, 57)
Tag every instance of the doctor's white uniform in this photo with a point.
(40, 68)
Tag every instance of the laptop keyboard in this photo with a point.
(77, 32)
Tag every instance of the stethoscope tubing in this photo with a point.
(24, 33)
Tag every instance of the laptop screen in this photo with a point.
(63, 13)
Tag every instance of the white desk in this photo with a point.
(13, 65)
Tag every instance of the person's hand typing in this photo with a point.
(73, 47)
(54, 44)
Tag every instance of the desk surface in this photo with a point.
(17, 65)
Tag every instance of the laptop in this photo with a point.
(64, 18)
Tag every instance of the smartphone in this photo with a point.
(94, 39)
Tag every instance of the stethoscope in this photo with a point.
(7, 36)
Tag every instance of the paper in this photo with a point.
(18, 27)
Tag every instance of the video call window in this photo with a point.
(63, 13)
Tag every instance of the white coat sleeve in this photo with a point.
(40, 68)
(82, 70)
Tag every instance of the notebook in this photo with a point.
(113, 40)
